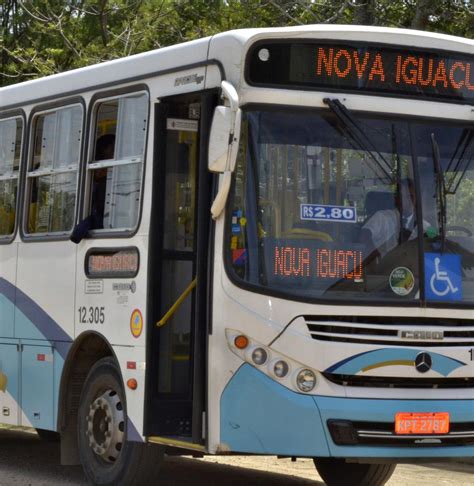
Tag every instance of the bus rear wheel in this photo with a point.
(106, 456)
(338, 472)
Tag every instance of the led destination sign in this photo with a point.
(291, 261)
(316, 264)
(364, 68)
(106, 262)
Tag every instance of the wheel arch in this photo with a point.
(86, 350)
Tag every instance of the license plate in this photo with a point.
(421, 423)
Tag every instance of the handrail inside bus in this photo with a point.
(177, 304)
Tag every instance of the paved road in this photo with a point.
(25, 460)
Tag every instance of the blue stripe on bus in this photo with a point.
(260, 416)
(30, 315)
(378, 357)
(42, 321)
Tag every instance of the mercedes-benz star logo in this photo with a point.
(423, 362)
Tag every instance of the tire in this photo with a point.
(338, 472)
(106, 456)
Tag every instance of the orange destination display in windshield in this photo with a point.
(291, 261)
(364, 68)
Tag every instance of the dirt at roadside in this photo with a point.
(26, 460)
(451, 474)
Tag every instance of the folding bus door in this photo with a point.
(179, 269)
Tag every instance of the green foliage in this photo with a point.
(41, 37)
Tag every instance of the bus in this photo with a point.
(259, 242)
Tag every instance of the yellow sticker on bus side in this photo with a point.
(136, 323)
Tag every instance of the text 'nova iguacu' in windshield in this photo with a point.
(331, 205)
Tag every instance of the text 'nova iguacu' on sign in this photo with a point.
(401, 69)
(290, 261)
(365, 68)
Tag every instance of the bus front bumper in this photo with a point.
(260, 416)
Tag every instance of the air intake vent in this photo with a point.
(392, 331)
(392, 382)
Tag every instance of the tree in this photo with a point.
(41, 37)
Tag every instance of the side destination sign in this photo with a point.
(364, 68)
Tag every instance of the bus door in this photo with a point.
(179, 269)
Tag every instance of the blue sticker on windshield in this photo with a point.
(443, 280)
(323, 212)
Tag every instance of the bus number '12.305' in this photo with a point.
(91, 315)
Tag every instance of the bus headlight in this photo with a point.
(259, 356)
(306, 380)
(281, 368)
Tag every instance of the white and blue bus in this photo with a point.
(255, 243)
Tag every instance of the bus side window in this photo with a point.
(104, 150)
(11, 131)
(115, 166)
(52, 172)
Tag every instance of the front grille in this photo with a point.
(387, 330)
(346, 432)
(393, 382)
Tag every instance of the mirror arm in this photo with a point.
(229, 92)
(220, 200)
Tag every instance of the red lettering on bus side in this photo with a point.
(440, 75)
(278, 261)
(332, 264)
(358, 267)
(327, 62)
(425, 81)
(296, 262)
(398, 71)
(377, 68)
(360, 68)
(341, 261)
(455, 84)
(304, 262)
(323, 266)
(413, 71)
(350, 255)
(288, 260)
(342, 73)
(468, 84)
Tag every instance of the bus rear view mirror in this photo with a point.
(224, 143)
(219, 138)
(225, 131)
(224, 139)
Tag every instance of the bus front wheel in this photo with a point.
(338, 472)
(106, 456)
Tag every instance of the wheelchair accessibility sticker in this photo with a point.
(443, 279)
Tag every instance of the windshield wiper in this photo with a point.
(352, 128)
(440, 191)
(464, 148)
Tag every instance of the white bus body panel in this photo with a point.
(262, 317)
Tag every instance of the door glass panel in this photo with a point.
(175, 337)
(181, 161)
(178, 264)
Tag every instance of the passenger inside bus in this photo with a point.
(391, 219)
(105, 148)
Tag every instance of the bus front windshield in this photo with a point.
(370, 208)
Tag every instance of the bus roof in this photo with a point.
(189, 54)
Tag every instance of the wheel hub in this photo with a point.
(106, 425)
